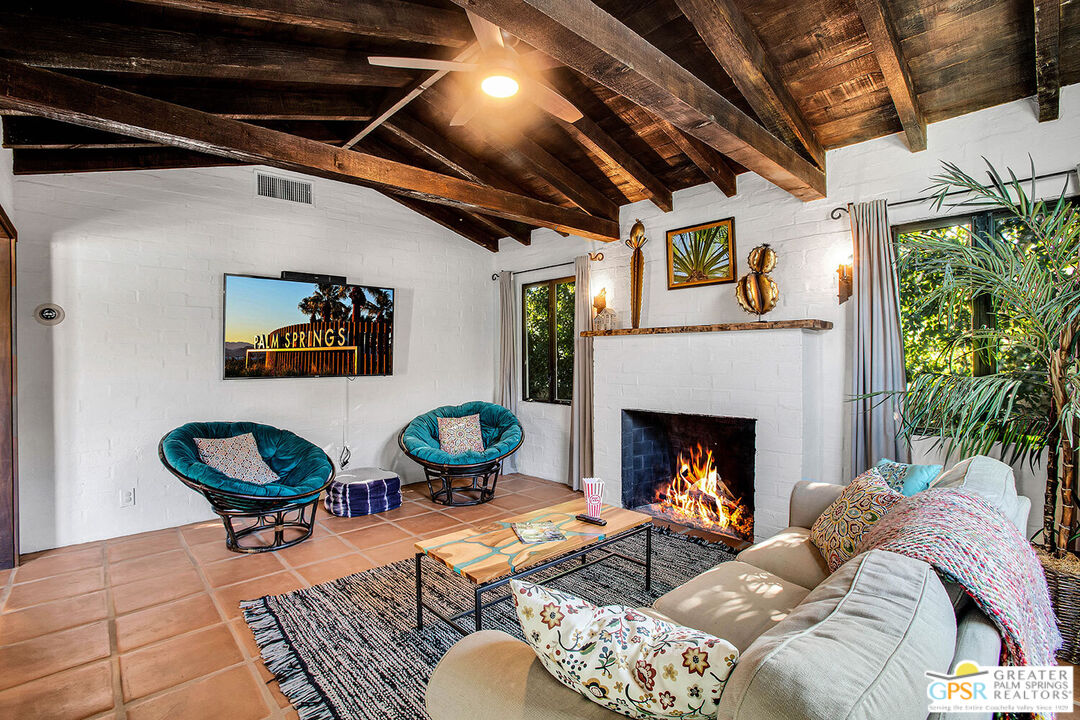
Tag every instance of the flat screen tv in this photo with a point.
(286, 328)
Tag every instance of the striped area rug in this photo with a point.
(349, 650)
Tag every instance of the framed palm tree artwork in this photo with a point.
(701, 254)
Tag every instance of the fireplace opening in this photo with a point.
(691, 470)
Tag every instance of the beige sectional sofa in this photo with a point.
(854, 644)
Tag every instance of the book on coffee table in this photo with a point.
(538, 532)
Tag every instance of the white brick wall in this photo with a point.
(136, 259)
(810, 246)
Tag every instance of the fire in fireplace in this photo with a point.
(693, 470)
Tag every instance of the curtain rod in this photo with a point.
(592, 256)
(836, 212)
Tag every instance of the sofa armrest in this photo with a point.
(490, 675)
(809, 500)
(978, 640)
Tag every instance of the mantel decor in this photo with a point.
(701, 254)
(757, 292)
(637, 270)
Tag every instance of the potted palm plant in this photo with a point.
(1026, 267)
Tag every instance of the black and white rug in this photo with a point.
(349, 649)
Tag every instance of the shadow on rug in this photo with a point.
(349, 648)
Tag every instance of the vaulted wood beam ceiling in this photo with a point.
(502, 228)
(386, 19)
(63, 44)
(711, 163)
(588, 134)
(1047, 57)
(890, 56)
(51, 162)
(729, 37)
(93, 105)
(589, 40)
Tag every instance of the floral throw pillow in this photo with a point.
(460, 435)
(838, 530)
(622, 659)
(238, 457)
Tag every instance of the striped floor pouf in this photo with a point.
(362, 492)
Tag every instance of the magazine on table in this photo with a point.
(538, 532)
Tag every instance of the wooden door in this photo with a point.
(9, 492)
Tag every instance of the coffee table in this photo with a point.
(492, 556)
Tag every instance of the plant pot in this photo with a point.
(1063, 579)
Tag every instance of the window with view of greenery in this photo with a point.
(934, 343)
(548, 318)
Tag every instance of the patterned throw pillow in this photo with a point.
(238, 457)
(905, 478)
(623, 660)
(460, 435)
(838, 531)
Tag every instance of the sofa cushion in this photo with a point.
(907, 478)
(734, 601)
(862, 503)
(621, 659)
(789, 554)
(856, 648)
(989, 478)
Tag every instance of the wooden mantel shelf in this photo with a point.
(721, 327)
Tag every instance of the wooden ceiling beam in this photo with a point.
(586, 38)
(590, 135)
(451, 221)
(53, 162)
(385, 19)
(725, 31)
(1048, 57)
(890, 56)
(63, 44)
(707, 160)
(81, 102)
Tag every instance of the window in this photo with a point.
(547, 312)
(930, 339)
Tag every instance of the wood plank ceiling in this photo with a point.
(674, 93)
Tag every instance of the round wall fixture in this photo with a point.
(49, 314)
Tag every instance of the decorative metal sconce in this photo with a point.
(846, 275)
(637, 271)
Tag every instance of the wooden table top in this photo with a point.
(495, 551)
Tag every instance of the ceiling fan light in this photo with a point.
(500, 85)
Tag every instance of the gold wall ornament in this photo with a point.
(637, 271)
(756, 292)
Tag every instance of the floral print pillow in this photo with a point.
(238, 457)
(622, 659)
(460, 435)
(837, 531)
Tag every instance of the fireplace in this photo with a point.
(692, 470)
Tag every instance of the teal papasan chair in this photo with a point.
(502, 434)
(284, 509)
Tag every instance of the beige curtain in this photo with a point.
(878, 356)
(581, 404)
(508, 376)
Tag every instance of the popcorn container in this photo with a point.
(594, 496)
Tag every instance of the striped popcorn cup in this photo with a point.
(594, 496)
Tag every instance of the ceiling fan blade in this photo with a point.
(552, 102)
(539, 62)
(420, 63)
(465, 113)
(487, 33)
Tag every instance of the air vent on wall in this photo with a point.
(281, 188)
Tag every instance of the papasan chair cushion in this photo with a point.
(500, 428)
(302, 467)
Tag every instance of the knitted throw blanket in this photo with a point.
(970, 542)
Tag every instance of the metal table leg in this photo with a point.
(648, 557)
(478, 609)
(419, 593)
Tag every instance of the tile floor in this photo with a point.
(147, 627)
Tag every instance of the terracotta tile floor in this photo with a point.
(147, 627)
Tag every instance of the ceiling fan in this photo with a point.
(501, 72)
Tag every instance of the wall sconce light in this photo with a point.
(845, 273)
